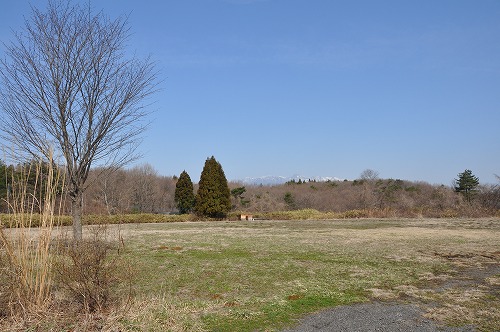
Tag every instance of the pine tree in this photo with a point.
(184, 194)
(466, 184)
(213, 198)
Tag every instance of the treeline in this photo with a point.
(110, 191)
(143, 190)
(372, 198)
(137, 190)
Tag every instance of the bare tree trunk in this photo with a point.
(105, 193)
(76, 214)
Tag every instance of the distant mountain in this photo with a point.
(265, 180)
(277, 180)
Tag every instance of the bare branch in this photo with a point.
(67, 83)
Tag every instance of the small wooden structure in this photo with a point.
(246, 217)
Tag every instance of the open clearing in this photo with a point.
(266, 275)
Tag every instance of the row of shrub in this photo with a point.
(312, 214)
(304, 214)
(8, 220)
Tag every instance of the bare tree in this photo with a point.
(369, 175)
(109, 191)
(67, 84)
(145, 190)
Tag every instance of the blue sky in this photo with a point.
(410, 89)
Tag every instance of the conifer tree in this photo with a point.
(466, 184)
(184, 194)
(213, 198)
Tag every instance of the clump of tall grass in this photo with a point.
(26, 261)
(47, 280)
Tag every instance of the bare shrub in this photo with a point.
(92, 273)
(489, 197)
(353, 214)
(379, 198)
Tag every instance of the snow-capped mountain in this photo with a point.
(276, 180)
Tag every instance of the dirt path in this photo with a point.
(423, 310)
(373, 316)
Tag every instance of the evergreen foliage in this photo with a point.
(213, 198)
(3, 184)
(238, 192)
(467, 184)
(290, 200)
(184, 194)
(30, 176)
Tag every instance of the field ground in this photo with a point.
(265, 275)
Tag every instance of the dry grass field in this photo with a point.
(265, 275)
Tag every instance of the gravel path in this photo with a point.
(374, 316)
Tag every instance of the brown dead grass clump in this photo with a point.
(25, 259)
(47, 282)
(294, 297)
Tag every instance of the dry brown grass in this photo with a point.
(27, 262)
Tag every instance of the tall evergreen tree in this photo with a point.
(466, 184)
(213, 198)
(184, 194)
